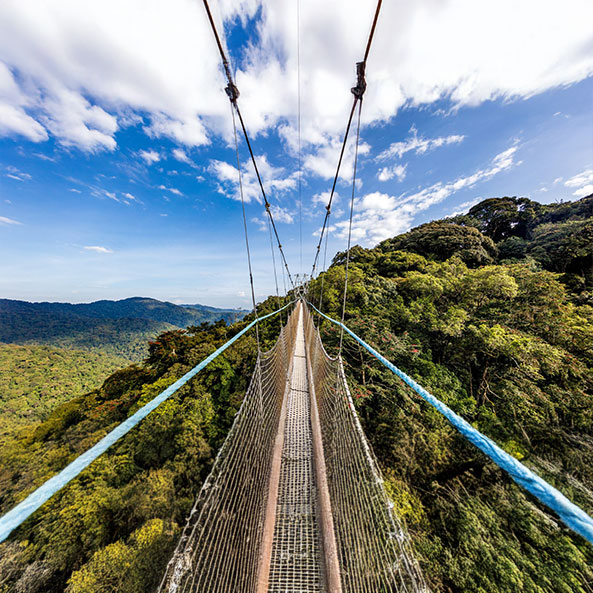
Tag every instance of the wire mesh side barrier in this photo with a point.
(218, 551)
(373, 546)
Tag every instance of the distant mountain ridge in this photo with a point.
(132, 308)
(120, 328)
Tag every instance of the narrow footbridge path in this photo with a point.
(296, 554)
(295, 502)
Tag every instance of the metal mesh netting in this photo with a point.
(373, 547)
(219, 550)
(266, 518)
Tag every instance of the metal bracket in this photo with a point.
(361, 83)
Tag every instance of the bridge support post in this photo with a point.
(328, 536)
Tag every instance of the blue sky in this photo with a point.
(117, 170)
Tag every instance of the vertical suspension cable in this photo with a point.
(233, 93)
(284, 281)
(358, 92)
(298, 4)
(350, 225)
(245, 226)
(323, 270)
(274, 266)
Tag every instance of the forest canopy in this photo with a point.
(490, 311)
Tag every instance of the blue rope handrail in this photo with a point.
(571, 515)
(27, 507)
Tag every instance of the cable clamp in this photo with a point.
(361, 83)
(232, 91)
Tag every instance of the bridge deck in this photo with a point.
(296, 562)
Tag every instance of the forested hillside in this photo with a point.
(35, 379)
(120, 328)
(490, 311)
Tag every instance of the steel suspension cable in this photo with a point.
(274, 265)
(245, 225)
(324, 268)
(350, 225)
(233, 93)
(358, 92)
(333, 189)
(298, 4)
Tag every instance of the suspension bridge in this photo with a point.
(295, 501)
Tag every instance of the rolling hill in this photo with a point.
(120, 328)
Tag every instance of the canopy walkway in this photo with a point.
(295, 502)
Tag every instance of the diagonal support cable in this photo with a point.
(358, 92)
(233, 93)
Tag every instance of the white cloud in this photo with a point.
(76, 122)
(419, 145)
(387, 173)
(322, 160)
(420, 55)
(149, 156)
(586, 190)
(281, 214)
(45, 157)
(181, 156)
(583, 182)
(14, 173)
(99, 192)
(13, 117)
(97, 249)
(4, 220)
(74, 190)
(323, 198)
(275, 180)
(173, 190)
(463, 208)
(130, 197)
(378, 216)
(86, 69)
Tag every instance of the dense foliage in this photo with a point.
(508, 345)
(490, 311)
(114, 528)
(35, 379)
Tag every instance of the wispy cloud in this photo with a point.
(322, 160)
(84, 102)
(149, 156)
(99, 192)
(173, 190)
(128, 197)
(379, 216)
(583, 182)
(465, 206)
(181, 156)
(419, 145)
(274, 179)
(97, 249)
(45, 157)
(5, 220)
(387, 173)
(14, 173)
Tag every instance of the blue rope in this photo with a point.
(570, 514)
(27, 507)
